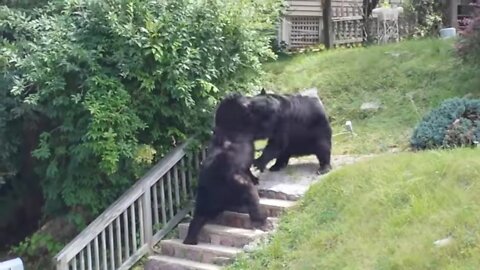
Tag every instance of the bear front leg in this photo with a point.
(258, 215)
(281, 162)
(274, 147)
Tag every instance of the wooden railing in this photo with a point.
(141, 217)
(347, 30)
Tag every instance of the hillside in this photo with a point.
(384, 213)
(389, 211)
(407, 79)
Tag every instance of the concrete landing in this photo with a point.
(300, 174)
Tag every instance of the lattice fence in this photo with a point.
(305, 31)
(301, 31)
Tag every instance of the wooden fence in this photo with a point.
(302, 25)
(141, 217)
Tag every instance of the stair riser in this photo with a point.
(270, 194)
(156, 265)
(204, 256)
(217, 239)
(238, 220)
(271, 211)
(274, 211)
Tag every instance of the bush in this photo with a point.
(429, 15)
(468, 46)
(456, 122)
(104, 88)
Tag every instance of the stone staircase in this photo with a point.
(219, 241)
(222, 239)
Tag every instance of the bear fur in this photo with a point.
(225, 181)
(295, 125)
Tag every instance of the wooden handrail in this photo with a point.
(101, 223)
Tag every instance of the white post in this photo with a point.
(15, 264)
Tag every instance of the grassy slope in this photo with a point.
(384, 214)
(424, 70)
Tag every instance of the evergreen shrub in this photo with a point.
(455, 123)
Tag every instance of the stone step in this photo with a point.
(240, 220)
(276, 207)
(222, 235)
(271, 194)
(202, 252)
(158, 262)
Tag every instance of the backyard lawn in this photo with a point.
(386, 212)
(405, 79)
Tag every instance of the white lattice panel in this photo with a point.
(305, 31)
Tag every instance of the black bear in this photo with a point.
(233, 118)
(295, 125)
(225, 180)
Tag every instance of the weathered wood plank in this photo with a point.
(89, 256)
(119, 241)
(163, 204)
(297, 13)
(327, 24)
(184, 178)
(127, 265)
(82, 260)
(126, 232)
(170, 197)
(133, 223)
(117, 208)
(155, 205)
(104, 250)
(172, 223)
(74, 262)
(96, 253)
(346, 41)
(141, 219)
(111, 247)
(190, 175)
(176, 185)
(349, 18)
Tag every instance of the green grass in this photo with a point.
(383, 213)
(407, 78)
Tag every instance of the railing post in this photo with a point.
(62, 265)
(147, 218)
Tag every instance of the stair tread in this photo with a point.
(232, 251)
(184, 262)
(277, 203)
(244, 215)
(226, 230)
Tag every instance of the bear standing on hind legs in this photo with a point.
(295, 125)
(225, 180)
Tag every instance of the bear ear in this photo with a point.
(263, 92)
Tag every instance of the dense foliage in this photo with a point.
(456, 122)
(468, 47)
(429, 15)
(100, 89)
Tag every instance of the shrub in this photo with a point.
(107, 87)
(428, 14)
(468, 46)
(456, 122)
